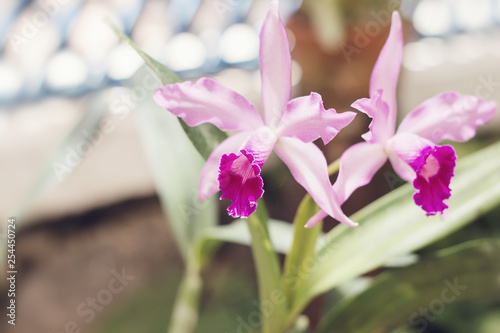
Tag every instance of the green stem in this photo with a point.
(301, 256)
(334, 167)
(271, 296)
(301, 259)
(185, 313)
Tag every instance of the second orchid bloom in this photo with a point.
(412, 149)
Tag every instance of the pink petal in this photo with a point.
(404, 148)
(434, 168)
(429, 167)
(260, 144)
(239, 174)
(209, 184)
(449, 116)
(309, 168)
(358, 164)
(275, 66)
(305, 118)
(381, 128)
(209, 101)
(316, 218)
(386, 71)
(240, 182)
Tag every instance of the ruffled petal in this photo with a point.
(427, 166)
(208, 184)
(209, 101)
(449, 116)
(434, 168)
(309, 168)
(240, 182)
(386, 70)
(275, 66)
(377, 109)
(239, 174)
(305, 118)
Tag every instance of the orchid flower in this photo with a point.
(412, 149)
(288, 127)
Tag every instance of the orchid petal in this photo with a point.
(209, 101)
(449, 116)
(309, 168)
(316, 218)
(275, 66)
(305, 118)
(239, 174)
(377, 109)
(403, 149)
(427, 166)
(208, 184)
(358, 164)
(434, 169)
(260, 144)
(386, 70)
(240, 182)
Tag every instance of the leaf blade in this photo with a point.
(467, 271)
(393, 226)
(204, 137)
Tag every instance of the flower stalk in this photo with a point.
(268, 273)
(185, 313)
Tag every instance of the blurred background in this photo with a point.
(95, 213)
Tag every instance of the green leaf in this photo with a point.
(176, 167)
(394, 225)
(185, 313)
(65, 158)
(415, 294)
(304, 243)
(204, 137)
(280, 233)
(271, 293)
(165, 75)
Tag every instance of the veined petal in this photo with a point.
(431, 169)
(309, 168)
(386, 70)
(377, 109)
(450, 116)
(275, 66)
(358, 164)
(260, 144)
(305, 118)
(209, 184)
(239, 174)
(434, 168)
(240, 182)
(209, 101)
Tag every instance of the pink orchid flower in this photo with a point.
(289, 127)
(412, 149)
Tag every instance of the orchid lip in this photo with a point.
(240, 181)
(434, 168)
